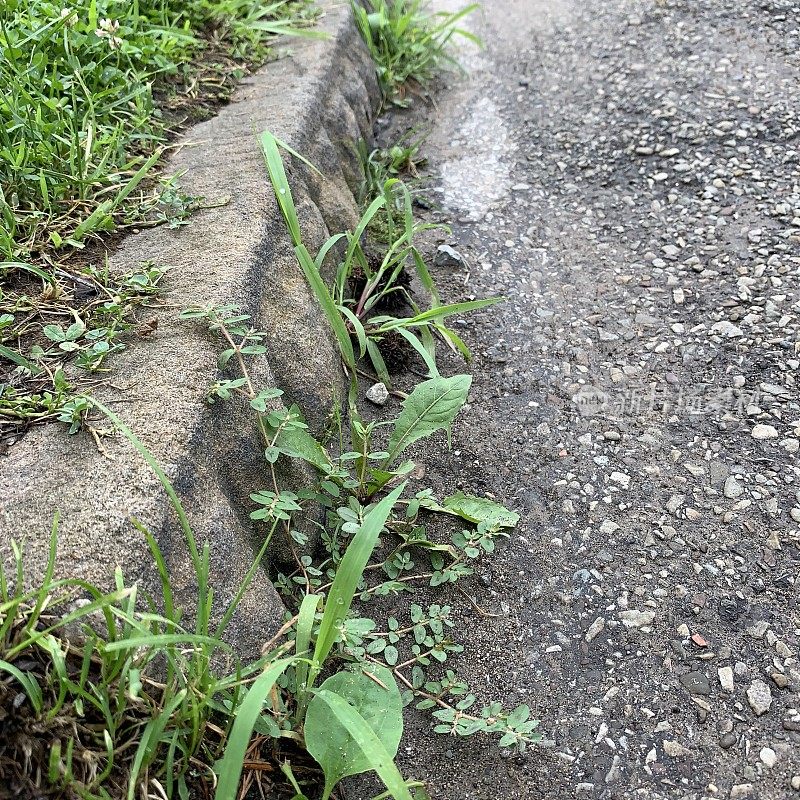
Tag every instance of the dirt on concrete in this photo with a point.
(626, 174)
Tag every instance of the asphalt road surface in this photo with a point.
(627, 175)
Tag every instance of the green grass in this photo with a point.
(372, 279)
(92, 92)
(83, 106)
(408, 42)
(117, 696)
(401, 160)
(112, 695)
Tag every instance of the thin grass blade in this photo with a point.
(349, 573)
(329, 308)
(230, 767)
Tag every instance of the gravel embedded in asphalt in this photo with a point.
(627, 175)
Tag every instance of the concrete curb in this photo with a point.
(320, 100)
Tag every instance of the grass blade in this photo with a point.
(47, 580)
(28, 682)
(329, 307)
(349, 573)
(430, 363)
(19, 360)
(361, 334)
(7, 266)
(230, 767)
(283, 194)
(366, 218)
(439, 312)
(170, 490)
(302, 642)
(378, 363)
(454, 341)
(372, 747)
(280, 184)
(320, 259)
(150, 740)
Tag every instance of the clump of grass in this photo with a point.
(103, 697)
(402, 159)
(78, 119)
(408, 42)
(382, 166)
(358, 320)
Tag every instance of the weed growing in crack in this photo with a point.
(132, 699)
(401, 161)
(400, 556)
(137, 703)
(408, 42)
(357, 319)
(343, 722)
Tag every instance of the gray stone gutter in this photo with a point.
(320, 100)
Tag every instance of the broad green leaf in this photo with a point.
(298, 442)
(519, 715)
(54, 332)
(378, 478)
(431, 407)
(380, 706)
(365, 739)
(474, 509)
